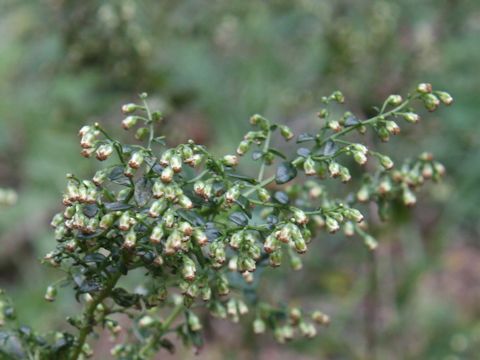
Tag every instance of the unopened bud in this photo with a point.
(129, 108)
(286, 132)
(394, 100)
(392, 127)
(129, 122)
(444, 97)
(243, 147)
(431, 102)
(424, 88)
(386, 162)
(167, 175)
(51, 293)
(230, 160)
(104, 151)
(136, 160)
(309, 167)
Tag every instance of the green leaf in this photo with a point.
(285, 172)
(143, 191)
(351, 120)
(278, 153)
(239, 218)
(329, 148)
(281, 197)
(116, 206)
(242, 177)
(123, 298)
(304, 137)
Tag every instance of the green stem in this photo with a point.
(89, 315)
(264, 152)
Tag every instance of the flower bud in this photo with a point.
(286, 132)
(222, 285)
(194, 161)
(431, 102)
(230, 160)
(232, 194)
(320, 318)
(275, 258)
(173, 243)
(167, 175)
(349, 229)
(259, 326)
(242, 307)
(424, 88)
(188, 269)
(307, 329)
(359, 157)
(370, 241)
(300, 216)
(51, 293)
(338, 97)
(263, 194)
(146, 321)
(270, 244)
(444, 97)
(408, 197)
(99, 177)
(130, 240)
(295, 262)
(236, 239)
(136, 160)
(158, 189)
(129, 122)
(157, 208)
(157, 234)
(185, 202)
(334, 125)
(200, 237)
(88, 140)
(334, 169)
(331, 224)
(57, 220)
(353, 214)
(392, 127)
(394, 100)
(411, 117)
(129, 108)
(194, 322)
(84, 130)
(309, 166)
(243, 147)
(386, 162)
(176, 163)
(104, 151)
(300, 244)
(125, 221)
(345, 174)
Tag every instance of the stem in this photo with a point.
(89, 315)
(332, 137)
(150, 123)
(371, 305)
(265, 149)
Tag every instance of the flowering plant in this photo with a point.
(200, 230)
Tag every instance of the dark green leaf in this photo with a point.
(305, 137)
(117, 206)
(95, 258)
(143, 191)
(242, 177)
(329, 148)
(90, 210)
(211, 231)
(281, 197)
(117, 176)
(191, 217)
(123, 298)
(257, 154)
(303, 151)
(351, 120)
(285, 172)
(89, 286)
(239, 218)
(277, 153)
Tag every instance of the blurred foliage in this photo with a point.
(215, 63)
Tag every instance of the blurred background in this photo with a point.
(211, 64)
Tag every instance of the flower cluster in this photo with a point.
(200, 229)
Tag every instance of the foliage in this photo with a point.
(200, 230)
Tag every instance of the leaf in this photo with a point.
(244, 204)
(143, 191)
(123, 298)
(257, 154)
(191, 217)
(95, 258)
(242, 177)
(304, 137)
(90, 210)
(89, 286)
(157, 168)
(116, 206)
(117, 176)
(278, 153)
(239, 218)
(329, 148)
(272, 219)
(211, 231)
(159, 140)
(281, 197)
(303, 151)
(285, 172)
(82, 236)
(351, 120)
